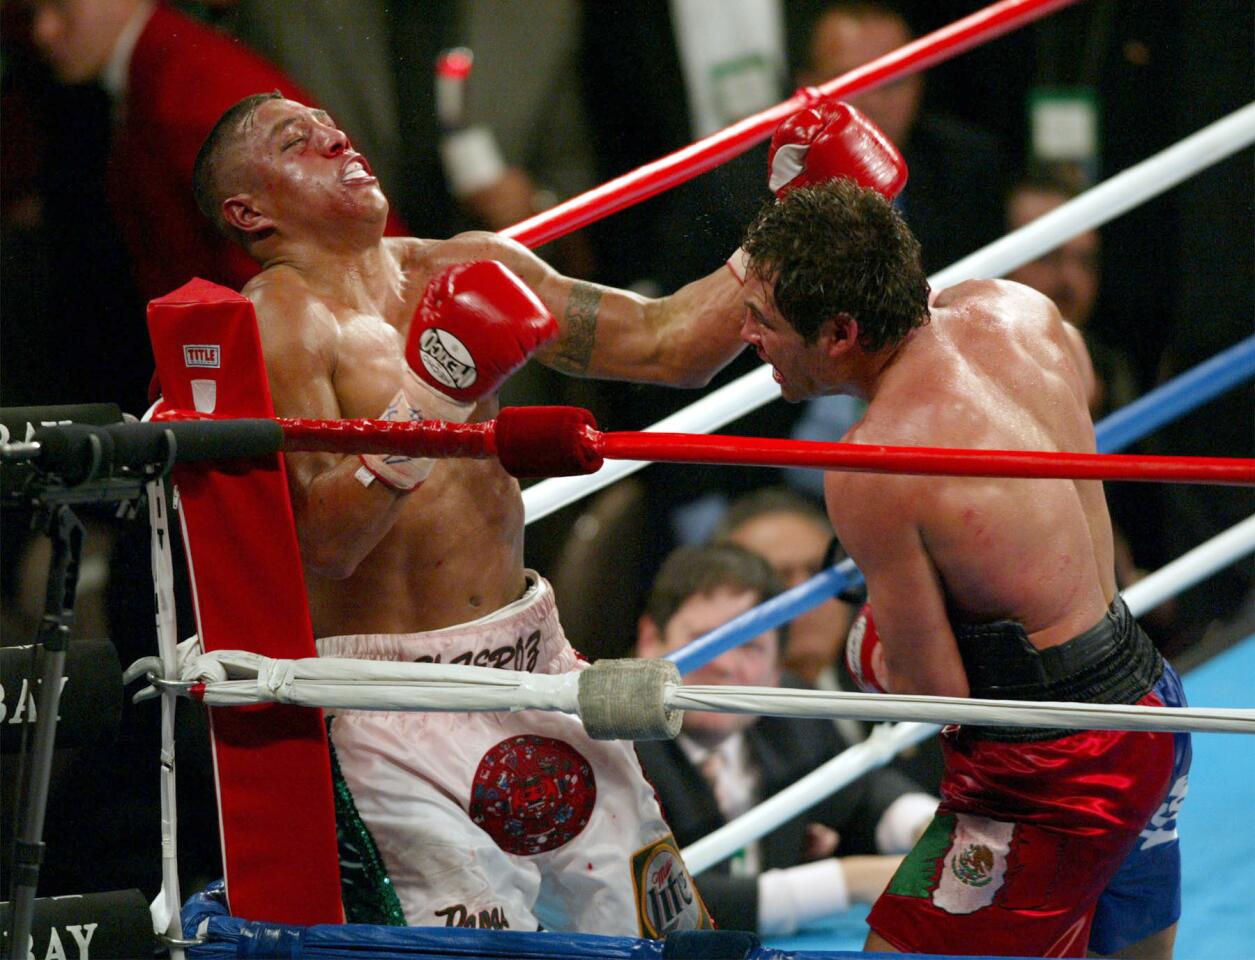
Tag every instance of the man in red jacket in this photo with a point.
(170, 78)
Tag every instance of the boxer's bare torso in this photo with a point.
(334, 333)
(334, 303)
(453, 549)
(994, 369)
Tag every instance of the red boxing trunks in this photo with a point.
(1032, 826)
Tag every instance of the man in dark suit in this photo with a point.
(723, 764)
(953, 201)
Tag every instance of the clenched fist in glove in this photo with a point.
(864, 656)
(476, 324)
(828, 141)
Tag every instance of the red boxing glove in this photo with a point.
(477, 323)
(827, 141)
(864, 656)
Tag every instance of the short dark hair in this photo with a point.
(693, 570)
(838, 248)
(763, 501)
(206, 173)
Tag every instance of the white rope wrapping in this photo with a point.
(345, 684)
(340, 683)
(1091, 209)
(627, 700)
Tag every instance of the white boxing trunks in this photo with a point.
(515, 820)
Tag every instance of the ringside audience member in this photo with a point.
(723, 764)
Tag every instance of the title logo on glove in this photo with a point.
(446, 358)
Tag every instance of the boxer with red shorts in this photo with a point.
(982, 587)
(1043, 833)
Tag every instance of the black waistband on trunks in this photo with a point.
(1112, 662)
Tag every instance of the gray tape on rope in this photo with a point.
(623, 700)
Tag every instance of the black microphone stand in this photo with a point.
(99, 464)
(67, 533)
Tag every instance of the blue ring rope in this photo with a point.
(1162, 405)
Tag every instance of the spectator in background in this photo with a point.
(721, 765)
(793, 535)
(514, 142)
(342, 54)
(953, 200)
(169, 78)
(1070, 276)
(526, 131)
(509, 142)
(661, 75)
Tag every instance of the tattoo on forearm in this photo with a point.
(574, 351)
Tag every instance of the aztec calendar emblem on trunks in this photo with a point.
(975, 865)
(532, 794)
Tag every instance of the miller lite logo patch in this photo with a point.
(666, 899)
(446, 358)
(202, 355)
(532, 794)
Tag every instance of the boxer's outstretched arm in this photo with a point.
(679, 340)
(338, 519)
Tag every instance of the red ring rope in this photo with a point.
(754, 451)
(540, 427)
(687, 163)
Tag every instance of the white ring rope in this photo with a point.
(1091, 209)
(1191, 567)
(338, 683)
(237, 677)
(825, 704)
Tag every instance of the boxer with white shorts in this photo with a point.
(507, 820)
(512, 820)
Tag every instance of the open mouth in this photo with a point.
(775, 371)
(356, 171)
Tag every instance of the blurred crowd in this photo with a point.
(476, 114)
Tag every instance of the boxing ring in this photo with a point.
(205, 930)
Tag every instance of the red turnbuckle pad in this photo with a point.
(547, 441)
